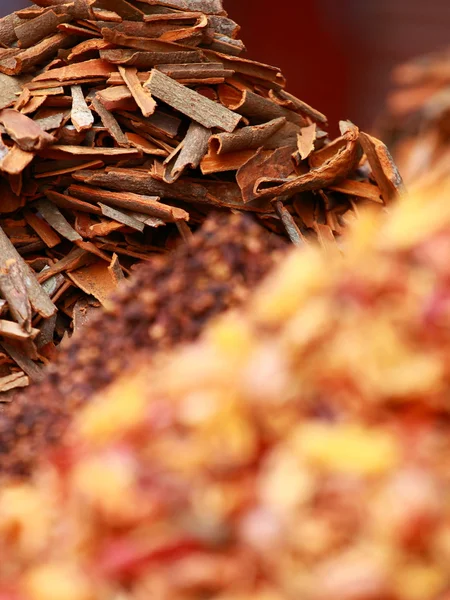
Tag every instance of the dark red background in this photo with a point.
(337, 54)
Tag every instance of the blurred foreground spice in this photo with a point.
(123, 124)
(298, 450)
(166, 303)
(416, 125)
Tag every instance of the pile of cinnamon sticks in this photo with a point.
(123, 125)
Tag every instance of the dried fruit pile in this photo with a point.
(416, 125)
(123, 124)
(164, 304)
(298, 450)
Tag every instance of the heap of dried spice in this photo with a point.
(165, 303)
(123, 124)
(416, 125)
(297, 450)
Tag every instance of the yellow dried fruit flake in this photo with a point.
(57, 582)
(120, 409)
(420, 582)
(348, 448)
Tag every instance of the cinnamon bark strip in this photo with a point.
(95, 280)
(38, 299)
(44, 231)
(289, 224)
(115, 270)
(34, 371)
(121, 217)
(190, 103)
(96, 67)
(360, 189)
(13, 331)
(67, 202)
(232, 161)
(148, 60)
(162, 28)
(144, 145)
(27, 59)
(61, 151)
(123, 8)
(141, 203)
(383, 167)
(189, 153)
(56, 219)
(289, 101)
(34, 30)
(141, 43)
(9, 88)
(209, 7)
(16, 160)
(141, 95)
(305, 140)
(27, 134)
(261, 109)
(196, 71)
(110, 122)
(247, 138)
(81, 115)
(117, 98)
(63, 167)
(224, 25)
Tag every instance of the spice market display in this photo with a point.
(123, 125)
(297, 450)
(167, 302)
(416, 122)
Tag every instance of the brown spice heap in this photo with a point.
(300, 449)
(167, 302)
(416, 125)
(123, 124)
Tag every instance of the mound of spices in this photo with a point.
(123, 124)
(416, 124)
(167, 302)
(297, 450)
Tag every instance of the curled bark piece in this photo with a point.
(189, 153)
(197, 107)
(33, 31)
(81, 115)
(231, 161)
(247, 138)
(338, 167)
(273, 163)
